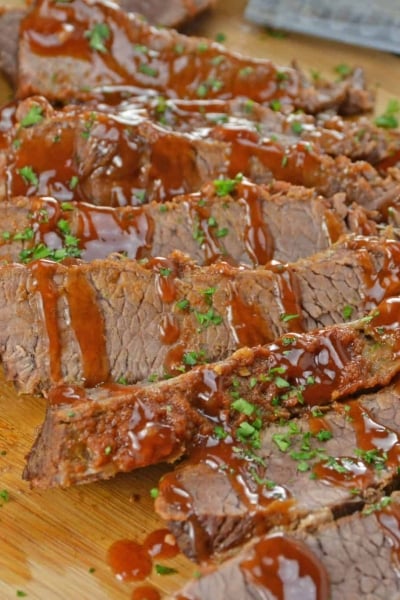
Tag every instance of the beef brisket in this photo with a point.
(169, 14)
(326, 463)
(100, 321)
(352, 558)
(10, 19)
(123, 158)
(252, 225)
(95, 433)
(162, 60)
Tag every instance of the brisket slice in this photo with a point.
(124, 159)
(220, 497)
(111, 319)
(252, 225)
(160, 60)
(169, 14)
(359, 139)
(352, 558)
(93, 434)
(10, 20)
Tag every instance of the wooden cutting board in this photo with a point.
(50, 542)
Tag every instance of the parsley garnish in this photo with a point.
(99, 34)
(33, 116)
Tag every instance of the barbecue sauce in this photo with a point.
(88, 325)
(381, 273)
(246, 322)
(144, 58)
(225, 461)
(258, 240)
(43, 281)
(286, 568)
(131, 561)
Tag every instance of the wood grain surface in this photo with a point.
(50, 541)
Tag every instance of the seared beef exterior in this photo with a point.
(326, 464)
(10, 19)
(123, 158)
(93, 434)
(111, 319)
(352, 558)
(170, 14)
(160, 60)
(252, 225)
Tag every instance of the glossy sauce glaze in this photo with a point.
(224, 460)
(131, 561)
(381, 270)
(286, 568)
(145, 58)
(389, 520)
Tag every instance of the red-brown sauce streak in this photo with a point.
(372, 435)
(248, 325)
(146, 592)
(88, 325)
(383, 280)
(258, 240)
(287, 567)
(129, 561)
(289, 297)
(389, 519)
(43, 274)
(221, 461)
(128, 230)
(161, 544)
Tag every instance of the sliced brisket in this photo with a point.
(170, 14)
(328, 463)
(10, 20)
(352, 558)
(96, 433)
(94, 322)
(161, 60)
(123, 158)
(251, 226)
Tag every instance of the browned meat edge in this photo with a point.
(96, 433)
(348, 559)
(151, 56)
(252, 225)
(112, 319)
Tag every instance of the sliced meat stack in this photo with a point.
(162, 61)
(114, 318)
(217, 414)
(190, 203)
(354, 557)
(251, 225)
(123, 158)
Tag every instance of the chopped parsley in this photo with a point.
(97, 37)
(29, 175)
(33, 116)
(163, 570)
(389, 119)
(223, 187)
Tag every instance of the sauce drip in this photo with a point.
(169, 329)
(287, 568)
(381, 280)
(258, 240)
(43, 280)
(166, 273)
(104, 230)
(232, 473)
(389, 519)
(289, 298)
(88, 324)
(66, 394)
(248, 325)
(146, 592)
(372, 435)
(161, 544)
(129, 561)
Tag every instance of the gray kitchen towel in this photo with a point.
(360, 22)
